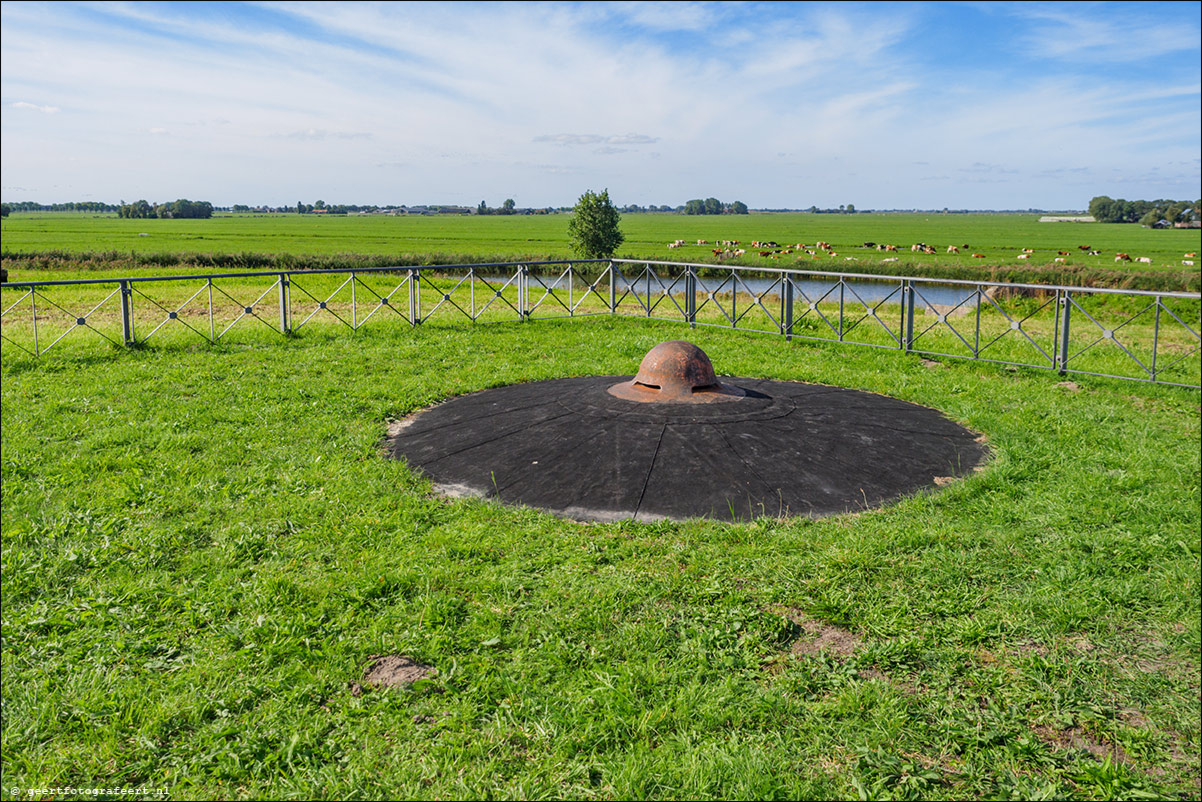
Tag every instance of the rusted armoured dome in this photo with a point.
(676, 372)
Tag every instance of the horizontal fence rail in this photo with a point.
(1126, 334)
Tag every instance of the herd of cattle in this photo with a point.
(728, 249)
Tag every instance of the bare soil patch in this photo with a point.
(1077, 738)
(817, 636)
(394, 671)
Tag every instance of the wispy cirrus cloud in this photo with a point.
(1113, 35)
(21, 104)
(320, 134)
(596, 139)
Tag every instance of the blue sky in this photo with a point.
(883, 105)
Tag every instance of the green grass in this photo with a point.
(203, 547)
(44, 240)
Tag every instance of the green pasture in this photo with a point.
(204, 548)
(33, 240)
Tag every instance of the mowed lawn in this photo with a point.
(999, 238)
(204, 549)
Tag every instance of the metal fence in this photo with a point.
(1142, 336)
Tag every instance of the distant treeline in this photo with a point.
(81, 206)
(714, 206)
(179, 209)
(1109, 210)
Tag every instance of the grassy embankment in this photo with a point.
(73, 242)
(203, 549)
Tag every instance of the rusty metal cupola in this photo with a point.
(676, 372)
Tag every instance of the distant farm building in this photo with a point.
(1067, 219)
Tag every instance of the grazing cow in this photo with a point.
(978, 256)
(1062, 253)
(890, 259)
(1146, 260)
(1028, 250)
(952, 249)
(869, 244)
(1085, 247)
(1122, 257)
(1021, 255)
(1058, 259)
(1095, 253)
(1193, 255)
(765, 253)
(673, 245)
(702, 242)
(1187, 262)
(892, 248)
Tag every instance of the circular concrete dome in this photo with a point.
(580, 449)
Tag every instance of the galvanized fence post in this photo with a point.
(285, 310)
(734, 300)
(414, 309)
(127, 313)
(212, 324)
(786, 315)
(908, 315)
(524, 293)
(690, 298)
(1061, 353)
(33, 310)
(842, 285)
(613, 280)
(1156, 338)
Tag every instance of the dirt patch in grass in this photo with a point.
(1077, 738)
(391, 671)
(818, 637)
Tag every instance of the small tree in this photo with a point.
(593, 229)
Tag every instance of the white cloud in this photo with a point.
(596, 139)
(1112, 36)
(21, 104)
(320, 134)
